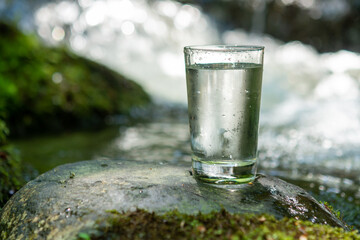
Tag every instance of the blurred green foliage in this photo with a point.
(51, 89)
(11, 171)
(4, 131)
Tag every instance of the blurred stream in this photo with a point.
(310, 118)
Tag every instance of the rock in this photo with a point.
(62, 202)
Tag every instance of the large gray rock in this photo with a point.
(70, 198)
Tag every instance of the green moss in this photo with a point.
(349, 210)
(44, 88)
(11, 178)
(141, 224)
(332, 210)
(84, 236)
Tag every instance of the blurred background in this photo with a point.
(91, 79)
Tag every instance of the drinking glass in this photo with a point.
(224, 92)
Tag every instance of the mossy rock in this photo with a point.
(76, 198)
(141, 224)
(51, 89)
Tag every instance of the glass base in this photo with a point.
(224, 172)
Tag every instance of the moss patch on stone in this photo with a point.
(50, 89)
(349, 210)
(141, 224)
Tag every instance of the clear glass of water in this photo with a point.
(224, 92)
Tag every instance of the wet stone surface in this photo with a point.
(62, 202)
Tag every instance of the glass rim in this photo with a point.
(224, 48)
